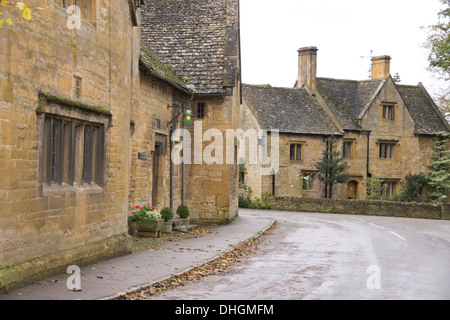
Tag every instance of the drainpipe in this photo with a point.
(182, 164)
(171, 168)
(368, 174)
(273, 181)
(326, 172)
(331, 157)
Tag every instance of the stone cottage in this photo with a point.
(199, 41)
(86, 116)
(383, 129)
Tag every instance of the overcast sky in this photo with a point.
(344, 31)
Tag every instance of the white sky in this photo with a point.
(343, 31)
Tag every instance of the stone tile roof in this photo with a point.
(151, 64)
(427, 117)
(288, 110)
(347, 99)
(199, 39)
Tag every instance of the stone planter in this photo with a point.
(180, 222)
(150, 228)
(131, 226)
(167, 227)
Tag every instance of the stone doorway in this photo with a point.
(156, 173)
(352, 190)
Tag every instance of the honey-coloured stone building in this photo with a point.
(383, 129)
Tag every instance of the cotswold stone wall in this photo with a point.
(362, 207)
(89, 66)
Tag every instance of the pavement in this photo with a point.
(115, 277)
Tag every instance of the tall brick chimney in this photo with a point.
(307, 67)
(381, 67)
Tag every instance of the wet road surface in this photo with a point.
(328, 256)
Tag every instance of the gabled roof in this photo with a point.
(199, 39)
(348, 99)
(289, 110)
(428, 119)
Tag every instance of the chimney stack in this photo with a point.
(307, 67)
(381, 67)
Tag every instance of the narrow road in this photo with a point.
(327, 256)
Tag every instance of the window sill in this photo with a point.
(79, 189)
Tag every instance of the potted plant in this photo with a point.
(167, 215)
(183, 212)
(148, 221)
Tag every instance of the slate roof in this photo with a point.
(289, 110)
(426, 116)
(347, 99)
(199, 39)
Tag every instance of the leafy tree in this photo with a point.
(373, 188)
(396, 78)
(331, 168)
(438, 42)
(26, 12)
(411, 187)
(440, 168)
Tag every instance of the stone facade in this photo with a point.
(86, 118)
(55, 82)
(200, 43)
(212, 189)
(383, 129)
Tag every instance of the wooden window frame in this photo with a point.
(388, 112)
(348, 149)
(298, 156)
(388, 188)
(386, 150)
(308, 187)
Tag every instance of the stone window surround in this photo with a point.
(312, 185)
(302, 150)
(389, 187)
(388, 110)
(351, 143)
(70, 112)
(392, 145)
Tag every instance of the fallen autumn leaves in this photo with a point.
(215, 266)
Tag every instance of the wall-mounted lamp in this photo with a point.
(187, 120)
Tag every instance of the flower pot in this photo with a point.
(167, 227)
(150, 228)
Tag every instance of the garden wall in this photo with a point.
(361, 207)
